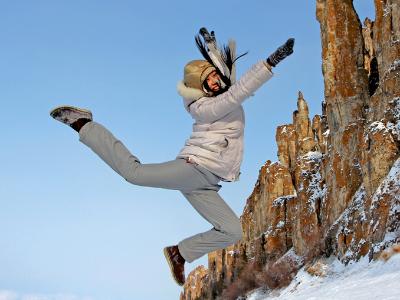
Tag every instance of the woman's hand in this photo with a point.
(282, 52)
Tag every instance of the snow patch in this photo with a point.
(232, 252)
(281, 200)
(388, 240)
(387, 9)
(391, 182)
(313, 155)
(357, 203)
(394, 128)
(356, 281)
(314, 190)
(394, 40)
(280, 224)
(394, 66)
(377, 126)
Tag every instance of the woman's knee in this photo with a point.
(132, 173)
(233, 230)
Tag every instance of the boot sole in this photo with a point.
(171, 267)
(54, 111)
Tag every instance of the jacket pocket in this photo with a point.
(225, 145)
(226, 142)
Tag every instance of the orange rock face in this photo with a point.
(346, 86)
(196, 285)
(369, 222)
(337, 181)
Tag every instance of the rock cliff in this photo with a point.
(335, 189)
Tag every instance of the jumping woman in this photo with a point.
(212, 153)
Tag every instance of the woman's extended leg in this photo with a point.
(175, 174)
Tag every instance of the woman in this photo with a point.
(213, 152)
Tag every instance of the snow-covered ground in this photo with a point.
(361, 280)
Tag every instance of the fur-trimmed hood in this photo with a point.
(189, 94)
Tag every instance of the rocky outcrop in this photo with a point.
(196, 285)
(336, 185)
(364, 223)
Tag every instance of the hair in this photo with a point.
(206, 86)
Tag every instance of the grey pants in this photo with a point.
(199, 186)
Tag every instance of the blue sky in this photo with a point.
(70, 228)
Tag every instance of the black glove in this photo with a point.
(285, 50)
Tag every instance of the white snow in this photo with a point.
(377, 126)
(387, 240)
(313, 155)
(293, 257)
(357, 281)
(314, 190)
(391, 182)
(395, 127)
(230, 252)
(394, 40)
(280, 224)
(326, 133)
(281, 200)
(387, 10)
(395, 65)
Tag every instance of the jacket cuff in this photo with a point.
(268, 66)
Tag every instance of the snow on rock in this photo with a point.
(326, 133)
(394, 125)
(388, 239)
(391, 181)
(356, 281)
(385, 209)
(281, 200)
(346, 217)
(394, 66)
(313, 155)
(377, 126)
(373, 223)
(311, 179)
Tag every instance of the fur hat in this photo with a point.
(196, 72)
(222, 60)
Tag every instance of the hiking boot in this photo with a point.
(176, 263)
(72, 116)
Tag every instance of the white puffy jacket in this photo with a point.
(216, 142)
